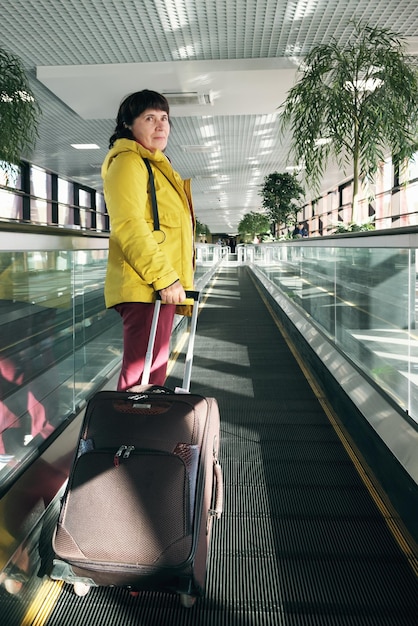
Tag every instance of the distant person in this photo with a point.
(300, 230)
(303, 230)
(143, 261)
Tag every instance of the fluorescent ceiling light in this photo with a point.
(85, 146)
(188, 51)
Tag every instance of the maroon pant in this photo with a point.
(137, 317)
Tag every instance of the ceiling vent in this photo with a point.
(180, 98)
(196, 148)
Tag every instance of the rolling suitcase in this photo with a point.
(145, 485)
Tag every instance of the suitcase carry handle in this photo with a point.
(190, 294)
(217, 510)
(219, 486)
(195, 295)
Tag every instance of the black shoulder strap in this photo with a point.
(153, 196)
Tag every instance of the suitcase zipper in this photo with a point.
(128, 452)
(124, 452)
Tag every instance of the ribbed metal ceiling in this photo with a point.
(91, 32)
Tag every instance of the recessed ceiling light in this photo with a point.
(85, 146)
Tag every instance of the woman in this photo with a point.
(143, 261)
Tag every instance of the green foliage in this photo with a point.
(19, 112)
(352, 227)
(201, 229)
(280, 194)
(353, 103)
(253, 224)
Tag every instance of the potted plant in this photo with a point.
(202, 231)
(253, 225)
(356, 102)
(280, 193)
(19, 113)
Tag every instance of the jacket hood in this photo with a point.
(129, 145)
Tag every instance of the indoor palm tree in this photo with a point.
(281, 194)
(19, 112)
(357, 103)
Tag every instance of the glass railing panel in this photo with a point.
(97, 331)
(317, 290)
(208, 257)
(35, 319)
(282, 266)
(373, 315)
(363, 299)
(58, 343)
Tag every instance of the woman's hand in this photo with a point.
(174, 294)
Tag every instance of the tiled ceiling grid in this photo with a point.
(90, 32)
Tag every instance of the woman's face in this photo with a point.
(151, 129)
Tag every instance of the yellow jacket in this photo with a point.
(138, 264)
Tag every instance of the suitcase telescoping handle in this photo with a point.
(195, 295)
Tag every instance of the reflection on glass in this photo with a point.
(363, 299)
(56, 337)
(58, 343)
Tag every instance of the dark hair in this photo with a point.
(132, 106)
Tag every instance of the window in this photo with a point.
(65, 200)
(40, 190)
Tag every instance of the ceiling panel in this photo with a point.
(84, 56)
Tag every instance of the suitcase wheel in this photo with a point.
(81, 589)
(187, 601)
